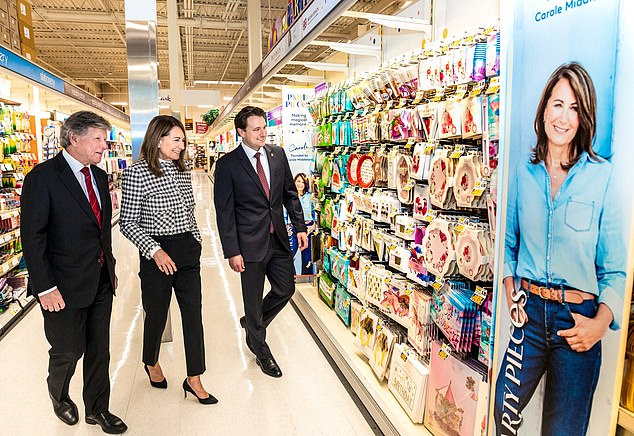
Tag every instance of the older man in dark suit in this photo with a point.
(252, 184)
(66, 225)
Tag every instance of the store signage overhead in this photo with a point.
(83, 96)
(310, 18)
(19, 65)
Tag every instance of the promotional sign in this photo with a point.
(296, 137)
(189, 124)
(201, 128)
(564, 288)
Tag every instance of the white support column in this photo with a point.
(177, 79)
(254, 26)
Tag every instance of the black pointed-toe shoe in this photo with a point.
(209, 400)
(160, 384)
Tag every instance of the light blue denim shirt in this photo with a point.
(576, 239)
(307, 207)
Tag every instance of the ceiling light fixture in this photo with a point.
(352, 49)
(301, 78)
(406, 4)
(404, 23)
(322, 66)
(119, 103)
(217, 82)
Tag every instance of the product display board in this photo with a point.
(565, 286)
(404, 183)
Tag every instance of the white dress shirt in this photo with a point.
(264, 160)
(76, 168)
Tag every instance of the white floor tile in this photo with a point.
(308, 400)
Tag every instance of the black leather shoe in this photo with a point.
(243, 323)
(269, 366)
(109, 423)
(66, 410)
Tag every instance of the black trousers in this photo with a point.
(76, 332)
(278, 267)
(156, 294)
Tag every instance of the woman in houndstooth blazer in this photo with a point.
(157, 215)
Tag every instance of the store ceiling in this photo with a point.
(84, 40)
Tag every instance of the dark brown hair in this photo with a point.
(583, 88)
(240, 122)
(305, 180)
(158, 128)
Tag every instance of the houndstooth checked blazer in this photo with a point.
(156, 206)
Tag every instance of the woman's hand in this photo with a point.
(587, 331)
(164, 262)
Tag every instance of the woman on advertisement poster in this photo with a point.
(303, 190)
(564, 263)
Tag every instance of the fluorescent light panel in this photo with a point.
(322, 66)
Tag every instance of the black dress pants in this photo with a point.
(156, 294)
(278, 267)
(76, 332)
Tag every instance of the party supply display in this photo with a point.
(404, 166)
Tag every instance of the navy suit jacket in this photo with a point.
(242, 209)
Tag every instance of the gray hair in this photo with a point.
(79, 122)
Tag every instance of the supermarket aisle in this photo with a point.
(308, 400)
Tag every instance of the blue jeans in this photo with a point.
(571, 377)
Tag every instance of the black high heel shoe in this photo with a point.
(209, 400)
(159, 385)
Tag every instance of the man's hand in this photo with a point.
(164, 262)
(53, 301)
(587, 331)
(302, 240)
(237, 263)
(116, 281)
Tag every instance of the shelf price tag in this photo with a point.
(458, 151)
(479, 188)
(479, 295)
(429, 148)
(444, 352)
(494, 85)
(438, 284)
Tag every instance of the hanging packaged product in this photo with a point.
(408, 381)
(457, 397)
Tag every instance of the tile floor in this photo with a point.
(308, 400)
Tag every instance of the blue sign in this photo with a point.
(19, 65)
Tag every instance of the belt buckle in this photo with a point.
(549, 295)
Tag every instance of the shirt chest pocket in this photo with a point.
(579, 215)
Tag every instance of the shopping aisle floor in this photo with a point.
(308, 400)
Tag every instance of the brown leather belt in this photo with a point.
(573, 296)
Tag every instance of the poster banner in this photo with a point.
(560, 315)
(296, 138)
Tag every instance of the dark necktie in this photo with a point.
(260, 170)
(94, 203)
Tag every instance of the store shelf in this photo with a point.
(15, 312)
(338, 341)
(10, 264)
(6, 214)
(626, 419)
(9, 237)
